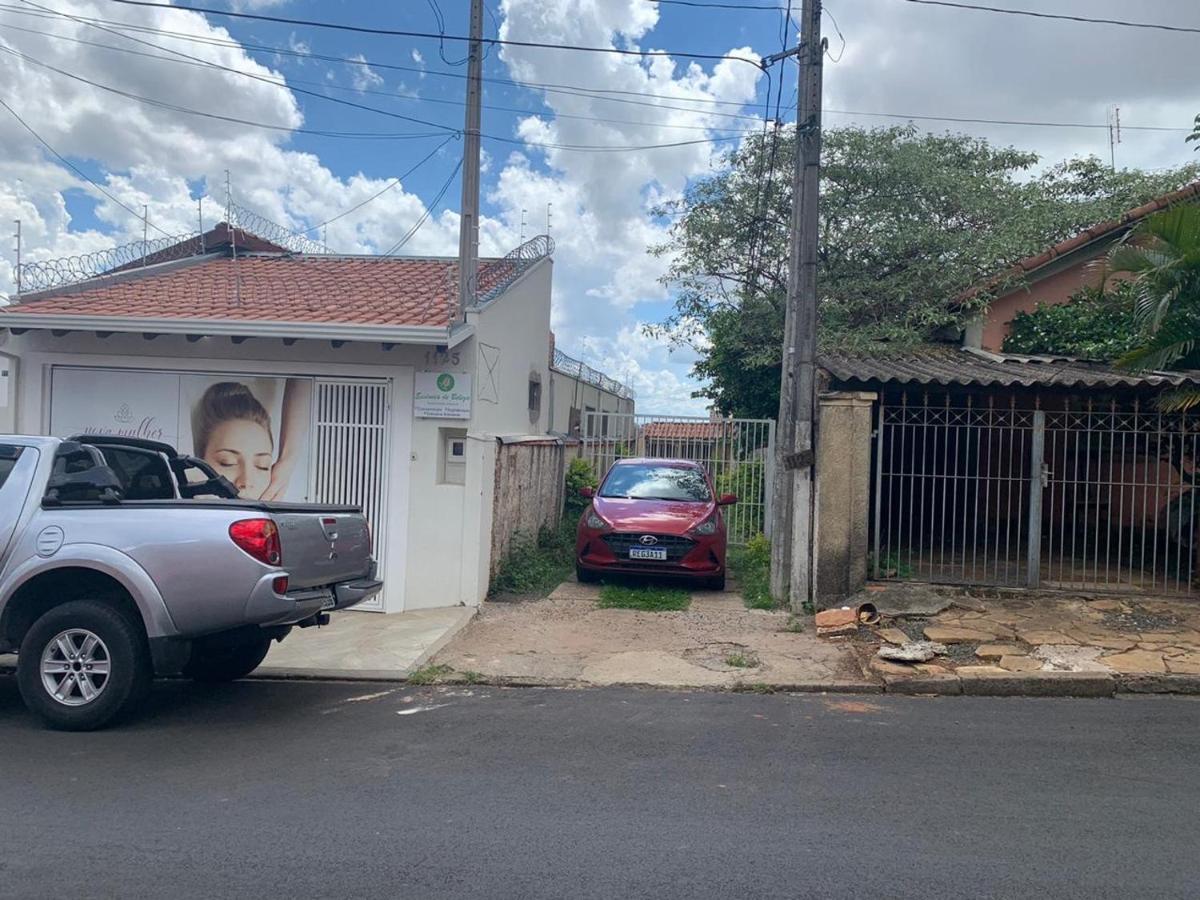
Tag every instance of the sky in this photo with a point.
(135, 128)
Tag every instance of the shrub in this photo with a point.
(579, 475)
(751, 566)
(1093, 324)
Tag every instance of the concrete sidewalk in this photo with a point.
(567, 639)
(365, 646)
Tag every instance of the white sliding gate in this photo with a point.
(351, 427)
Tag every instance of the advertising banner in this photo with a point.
(254, 430)
(442, 395)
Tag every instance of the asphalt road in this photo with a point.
(325, 790)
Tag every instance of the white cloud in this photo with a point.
(362, 76)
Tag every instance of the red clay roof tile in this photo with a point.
(306, 289)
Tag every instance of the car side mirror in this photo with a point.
(588, 492)
(727, 500)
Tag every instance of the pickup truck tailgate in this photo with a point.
(321, 548)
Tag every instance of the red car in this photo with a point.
(653, 517)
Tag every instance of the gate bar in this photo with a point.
(1033, 576)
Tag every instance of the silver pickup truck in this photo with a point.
(120, 559)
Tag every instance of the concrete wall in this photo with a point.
(528, 491)
(570, 393)
(843, 494)
(508, 351)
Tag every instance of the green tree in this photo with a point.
(1163, 255)
(908, 220)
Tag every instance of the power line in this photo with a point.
(429, 208)
(78, 171)
(699, 5)
(548, 87)
(394, 32)
(290, 82)
(547, 145)
(391, 184)
(1025, 123)
(1061, 16)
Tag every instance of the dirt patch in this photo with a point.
(1136, 619)
(717, 656)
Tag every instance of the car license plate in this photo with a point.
(658, 553)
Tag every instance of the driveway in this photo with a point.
(717, 642)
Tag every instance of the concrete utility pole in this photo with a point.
(468, 229)
(793, 511)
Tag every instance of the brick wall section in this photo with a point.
(528, 492)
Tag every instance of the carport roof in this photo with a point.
(946, 366)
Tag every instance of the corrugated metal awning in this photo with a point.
(968, 367)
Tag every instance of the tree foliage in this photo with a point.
(1163, 255)
(907, 222)
(1096, 323)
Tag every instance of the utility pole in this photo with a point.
(1114, 134)
(793, 511)
(468, 228)
(17, 270)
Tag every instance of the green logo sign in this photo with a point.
(445, 383)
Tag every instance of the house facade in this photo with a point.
(311, 378)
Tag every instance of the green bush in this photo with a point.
(1093, 324)
(751, 567)
(579, 475)
(537, 566)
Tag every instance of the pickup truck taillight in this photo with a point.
(259, 538)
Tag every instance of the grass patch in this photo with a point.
(751, 568)
(794, 624)
(647, 598)
(430, 674)
(741, 661)
(471, 677)
(755, 687)
(537, 566)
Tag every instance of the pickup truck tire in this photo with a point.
(215, 660)
(82, 664)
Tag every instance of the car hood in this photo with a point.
(652, 516)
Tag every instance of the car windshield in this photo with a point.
(651, 482)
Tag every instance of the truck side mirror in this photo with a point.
(727, 500)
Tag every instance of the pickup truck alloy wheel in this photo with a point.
(75, 667)
(53, 671)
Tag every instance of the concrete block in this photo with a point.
(1158, 684)
(942, 685)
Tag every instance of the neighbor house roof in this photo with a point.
(944, 366)
(705, 431)
(1108, 229)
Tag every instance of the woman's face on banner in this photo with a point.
(242, 451)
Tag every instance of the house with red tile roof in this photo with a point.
(1056, 274)
(303, 376)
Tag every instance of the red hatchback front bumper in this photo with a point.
(696, 556)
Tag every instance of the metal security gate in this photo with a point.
(738, 454)
(1063, 495)
(351, 447)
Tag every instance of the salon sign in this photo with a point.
(442, 395)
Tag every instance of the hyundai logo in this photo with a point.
(648, 539)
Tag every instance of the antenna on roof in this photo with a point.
(1114, 134)
(17, 237)
(200, 219)
(548, 218)
(145, 233)
(522, 240)
(325, 238)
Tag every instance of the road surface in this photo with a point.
(298, 790)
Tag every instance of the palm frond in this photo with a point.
(1179, 400)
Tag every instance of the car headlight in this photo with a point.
(594, 521)
(708, 526)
